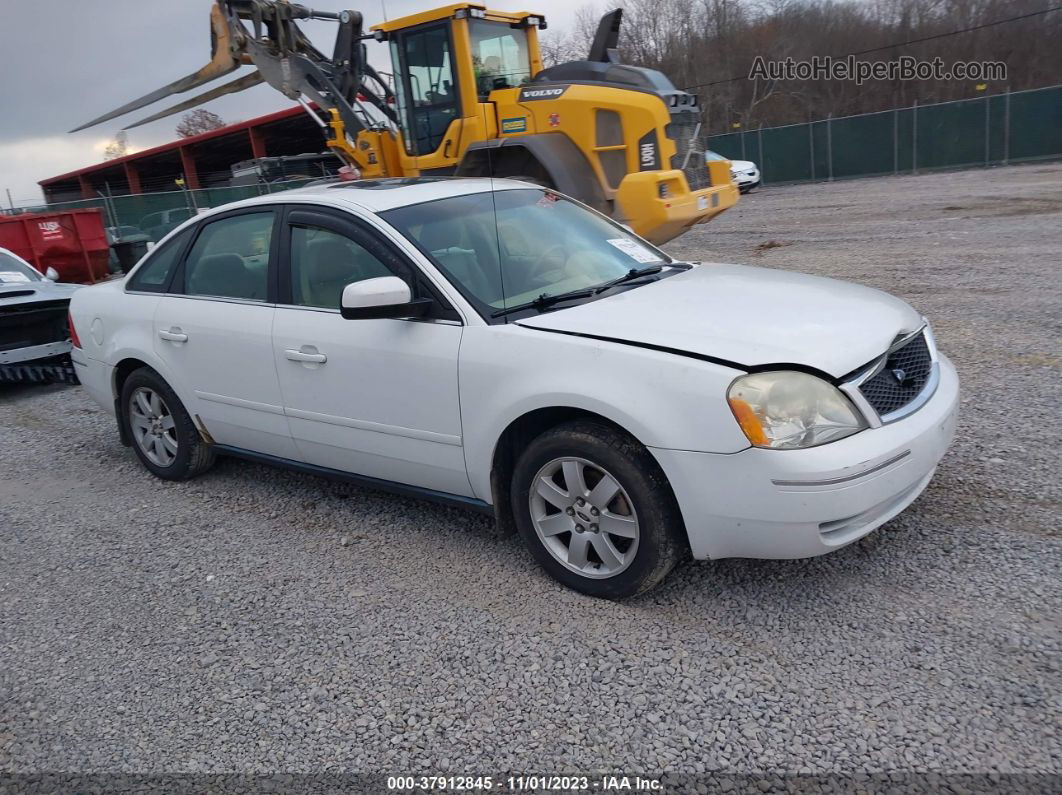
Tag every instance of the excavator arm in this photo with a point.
(264, 33)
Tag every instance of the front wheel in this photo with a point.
(596, 511)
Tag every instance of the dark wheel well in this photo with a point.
(550, 159)
(514, 440)
(506, 162)
(122, 371)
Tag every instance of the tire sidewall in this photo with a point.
(187, 437)
(650, 501)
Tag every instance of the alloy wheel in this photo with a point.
(153, 426)
(584, 517)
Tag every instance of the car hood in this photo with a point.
(747, 316)
(32, 292)
(741, 165)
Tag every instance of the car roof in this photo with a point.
(378, 195)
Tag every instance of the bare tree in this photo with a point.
(708, 47)
(197, 122)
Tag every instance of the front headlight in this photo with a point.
(790, 410)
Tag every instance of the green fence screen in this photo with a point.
(989, 130)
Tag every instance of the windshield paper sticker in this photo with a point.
(633, 250)
(10, 277)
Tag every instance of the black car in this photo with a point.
(34, 331)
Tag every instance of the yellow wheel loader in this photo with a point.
(470, 97)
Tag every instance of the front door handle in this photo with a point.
(173, 335)
(305, 355)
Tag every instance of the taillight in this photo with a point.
(73, 331)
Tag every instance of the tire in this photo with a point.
(616, 566)
(177, 451)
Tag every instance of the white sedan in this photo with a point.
(496, 345)
(744, 173)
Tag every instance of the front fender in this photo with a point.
(662, 399)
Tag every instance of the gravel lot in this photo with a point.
(255, 620)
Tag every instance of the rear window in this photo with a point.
(154, 274)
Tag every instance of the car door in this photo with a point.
(213, 332)
(372, 397)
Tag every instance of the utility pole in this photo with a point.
(10, 201)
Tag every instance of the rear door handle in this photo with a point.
(173, 335)
(305, 356)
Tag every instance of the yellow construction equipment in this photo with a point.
(470, 97)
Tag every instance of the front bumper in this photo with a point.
(660, 218)
(801, 503)
(747, 179)
(53, 369)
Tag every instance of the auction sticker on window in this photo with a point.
(10, 277)
(636, 252)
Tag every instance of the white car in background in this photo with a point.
(493, 344)
(744, 172)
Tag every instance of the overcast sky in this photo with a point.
(67, 61)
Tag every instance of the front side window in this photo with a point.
(323, 262)
(509, 247)
(13, 270)
(500, 56)
(230, 258)
(154, 274)
(428, 100)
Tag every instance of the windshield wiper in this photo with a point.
(545, 300)
(629, 276)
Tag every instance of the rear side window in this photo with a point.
(154, 274)
(230, 258)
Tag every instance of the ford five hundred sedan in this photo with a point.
(497, 345)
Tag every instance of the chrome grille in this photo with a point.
(906, 372)
(683, 133)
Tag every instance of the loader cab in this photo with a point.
(446, 62)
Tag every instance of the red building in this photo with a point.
(203, 161)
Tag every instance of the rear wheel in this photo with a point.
(596, 511)
(164, 437)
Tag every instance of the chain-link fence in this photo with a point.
(155, 214)
(989, 130)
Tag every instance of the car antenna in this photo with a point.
(497, 230)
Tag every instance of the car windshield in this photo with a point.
(15, 271)
(507, 248)
(710, 155)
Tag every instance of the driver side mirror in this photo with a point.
(51, 274)
(382, 297)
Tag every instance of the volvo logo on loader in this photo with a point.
(528, 94)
